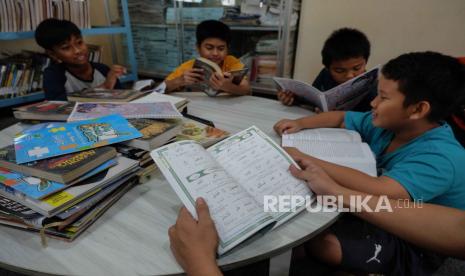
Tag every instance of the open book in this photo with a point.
(209, 68)
(233, 176)
(340, 146)
(342, 97)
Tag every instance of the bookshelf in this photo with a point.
(124, 29)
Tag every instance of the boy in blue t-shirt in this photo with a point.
(63, 42)
(417, 156)
(345, 55)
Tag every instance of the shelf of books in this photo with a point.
(21, 73)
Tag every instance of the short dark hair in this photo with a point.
(213, 29)
(343, 44)
(429, 76)
(53, 32)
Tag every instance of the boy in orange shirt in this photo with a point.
(213, 39)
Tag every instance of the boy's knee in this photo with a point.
(326, 248)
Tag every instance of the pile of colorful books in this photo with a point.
(58, 177)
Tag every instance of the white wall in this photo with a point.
(392, 26)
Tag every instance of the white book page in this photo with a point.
(303, 90)
(260, 166)
(193, 173)
(323, 134)
(357, 156)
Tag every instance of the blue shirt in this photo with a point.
(431, 167)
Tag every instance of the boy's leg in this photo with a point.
(358, 246)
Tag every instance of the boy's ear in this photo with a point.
(419, 110)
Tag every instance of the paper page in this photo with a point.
(301, 89)
(260, 166)
(357, 156)
(348, 94)
(323, 134)
(193, 173)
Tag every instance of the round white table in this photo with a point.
(131, 237)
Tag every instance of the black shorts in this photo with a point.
(367, 248)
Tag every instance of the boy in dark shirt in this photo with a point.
(345, 55)
(63, 42)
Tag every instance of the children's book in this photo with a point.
(160, 110)
(155, 133)
(63, 169)
(233, 176)
(209, 68)
(62, 200)
(45, 111)
(105, 95)
(204, 134)
(54, 139)
(340, 146)
(342, 97)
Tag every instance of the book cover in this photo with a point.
(154, 132)
(105, 95)
(46, 110)
(155, 97)
(48, 140)
(63, 169)
(29, 186)
(159, 110)
(204, 134)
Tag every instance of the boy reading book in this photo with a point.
(63, 42)
(213, 39)
(345, 55)
(418, 159)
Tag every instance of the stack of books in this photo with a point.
(58, 178)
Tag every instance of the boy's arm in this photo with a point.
(54, 85)
(354, 179)
(185, 77)
(224, 83)
(332, 119)
(445, 225)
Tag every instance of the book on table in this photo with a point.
(53, 139)
(345, 96)
(233, 176)
(63, 169)
(204, 134)
(108, 173)
(105, 95)
(155, 133)
(209, 69)
(158, 110)
(44, 111)
(340, 146)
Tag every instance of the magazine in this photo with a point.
(342, 97)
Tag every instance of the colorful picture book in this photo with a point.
(233, 176)
(155, 133)
(160, 110)
(209, 69)
(342, 97)
(48, 140)
(62, 169)
(45, 111)
(62, 200)
(105, 95)
(204, 134)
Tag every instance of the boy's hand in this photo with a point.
(192, 76)
(115, 72)
(287, 126)
(317, 179)
(194, 243)
(286, 97)
(219, 81)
